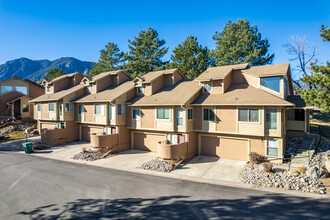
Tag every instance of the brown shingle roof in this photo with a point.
(58, 95)
(241, 94)
(148, 77)
(268, 70)
(177, 94)
(104, 74)
(108, 94)
(296, 100)
(220, 72)
(62, 77)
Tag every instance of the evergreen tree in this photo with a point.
(54, 73)
(319, 95)
(190, 57)
(145, 53)
(111, 58)
(241, 43)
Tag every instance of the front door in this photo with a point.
(181, 138)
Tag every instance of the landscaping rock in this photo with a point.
(301, 170)
(88, 156)
(312, 172)
(293, 173)
(157, 165)
(327, 165)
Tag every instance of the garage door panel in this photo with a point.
(147, 142)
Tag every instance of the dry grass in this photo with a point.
(15, 135)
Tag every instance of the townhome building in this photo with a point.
(15, 95)
(227, 111)
(54, 112)
(160, 116)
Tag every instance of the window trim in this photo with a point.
(277, 140)
(214, 112)
(211, 86)
(121, 109)
(101, 111)
(39, 104)
(140, 90)
(271, 90)
(248, 121)
(276, 111)
(1, 93)
(79, 109)
(164, 119)
(27, 89)
(69, 109)
(177, 117)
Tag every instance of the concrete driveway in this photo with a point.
(213, 168)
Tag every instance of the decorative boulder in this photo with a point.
(312, 172)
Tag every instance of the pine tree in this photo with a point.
(190, 57)
(319, 95)
(145, 53)
(54, 73)
(111, 58)
(241, 43)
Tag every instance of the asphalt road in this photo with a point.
(37, 188)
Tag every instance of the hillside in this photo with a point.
(36, 69)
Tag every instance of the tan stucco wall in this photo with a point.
(59, 136)
(148, 119)
(198, 117)
(171, 151)
(147, 89)
(258, 145)
(35, 92)
(227, 82)
(176, 77)
(217, 87)
(251, 80)
(105, 82)
(157, 84)
(168, 81)
(62, 84)
(103, 140)
(226, 119)
(237, 76)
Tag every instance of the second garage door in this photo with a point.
(86, 131)
(230, 148)
(147, 142)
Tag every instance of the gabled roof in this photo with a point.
(104, 74)
(17, 98)
(178, 94)
(268, 70)
(26, 81)
(242, 94)
(149, 77)
(61, 77)
(59, 95)
(109, 94)
(220, 72)
(296, 100)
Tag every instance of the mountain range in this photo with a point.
(25, 68)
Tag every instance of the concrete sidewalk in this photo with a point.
(201, 169)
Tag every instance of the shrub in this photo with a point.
(255, 158)
(268, 167)
(301, 170)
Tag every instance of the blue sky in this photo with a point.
(80, 29)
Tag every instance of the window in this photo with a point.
(190, 113)
(172, 139)
(51, 107)
(136, 114)
(272, 147)
(140, 90)
(208, 114)
(163, 113)
(111, 111)
(22, 89)
(47, 89)
(179, 117)
(5, 89)
(296, 115)
(271, 118)
(38, 107)
(68, 107)
(99, 109)
(207, 87)
(272, 83)
(248, 115)
(107, 130)
(81, 109)
(121, 109)
(25, 107)
(60, 109)
(290, 114)
(89, 89)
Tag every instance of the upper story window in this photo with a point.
(25, 107)
(190, 113)
(140, 90)
(81, 109)
(99, 109)
(179, 117)
(51, 107)
(5, 89)
(121, 109)
(89, 89)
(271, 118)
(248, 115)
(163, 113)
(47, 89)
(208, 114)
(272, 83)
(39, 107)
(22, 89)
(208, 87)
(136, 113)
(68, 107)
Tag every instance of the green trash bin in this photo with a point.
(27, 147)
